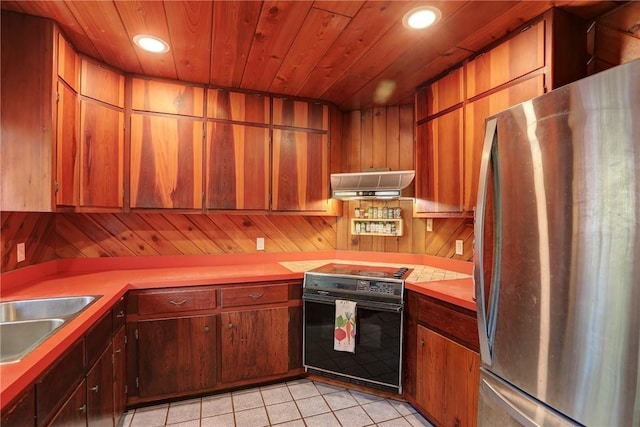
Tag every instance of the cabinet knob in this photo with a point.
(83, 409)
(120, 315)
(230, 325)
(206, 329)
(421, 342)
(117, 351)
(94, 389)
(177, 302)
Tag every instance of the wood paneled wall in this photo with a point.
(35, 229)
(107, 235)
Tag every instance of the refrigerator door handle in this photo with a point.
(485, 329)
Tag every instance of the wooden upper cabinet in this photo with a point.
(439, 150)
(519, 55)
(67, 147)
(167, 97)
(27, 113)
(301, 114)
(237, 166)
(440, 95)
(300, 171)
(476, 113)
(101, 83)
(238, 106)
(101, 155)
(166, 162)
(68, 63)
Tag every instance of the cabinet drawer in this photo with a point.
(172, 301)
(254, 295)
(98, 337)
(454, 323)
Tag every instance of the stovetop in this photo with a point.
(363, 271)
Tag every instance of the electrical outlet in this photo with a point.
(21, 253)
(260, 244)
(459, 247)
(429, 224)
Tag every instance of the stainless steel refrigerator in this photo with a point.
(557, 257)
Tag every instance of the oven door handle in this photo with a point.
(371, 305)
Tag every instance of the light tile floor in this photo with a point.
(296, 403)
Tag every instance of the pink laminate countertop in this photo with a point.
(111, 278)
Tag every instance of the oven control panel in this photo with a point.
(377, 287)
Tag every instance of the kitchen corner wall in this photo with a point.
(383, 137)
(35, 229)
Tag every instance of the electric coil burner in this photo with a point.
(378, 293)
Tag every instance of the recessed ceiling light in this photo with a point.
(151, 43)
(421, 17)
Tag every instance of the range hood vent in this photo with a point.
(370, 185)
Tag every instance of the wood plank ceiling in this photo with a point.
(338, 51)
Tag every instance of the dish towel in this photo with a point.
(344, 335)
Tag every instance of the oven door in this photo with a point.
(377, 360)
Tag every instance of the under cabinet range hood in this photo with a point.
(370, 185)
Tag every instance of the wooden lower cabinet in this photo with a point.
(100, 391)
(74, 411)
(191, 340)
(441, 360)
(254, 343)
(176, 355)
(447, 379)
(22, 412)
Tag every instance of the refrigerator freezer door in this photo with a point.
(502, 405)
(563, 322)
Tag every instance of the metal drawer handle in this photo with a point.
(177, 302)
(255, 297)
(94, 389)
(121, 314)
(117, 351)
(83, 409)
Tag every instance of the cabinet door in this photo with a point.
(238, 106)
(67, 147)
(507, 61)
(102, 83)
(254, 344)
(300, 171)
(440, 95)
(119, 374)
(447, 380)
(101, 154)
(475, 114)
(68, 63)
(21, 412)
(74, 411)
(300, 114)
(439, 164)
(100, 391)
(176, 355)
(166, 162)
(167, 97)
(237, 166)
